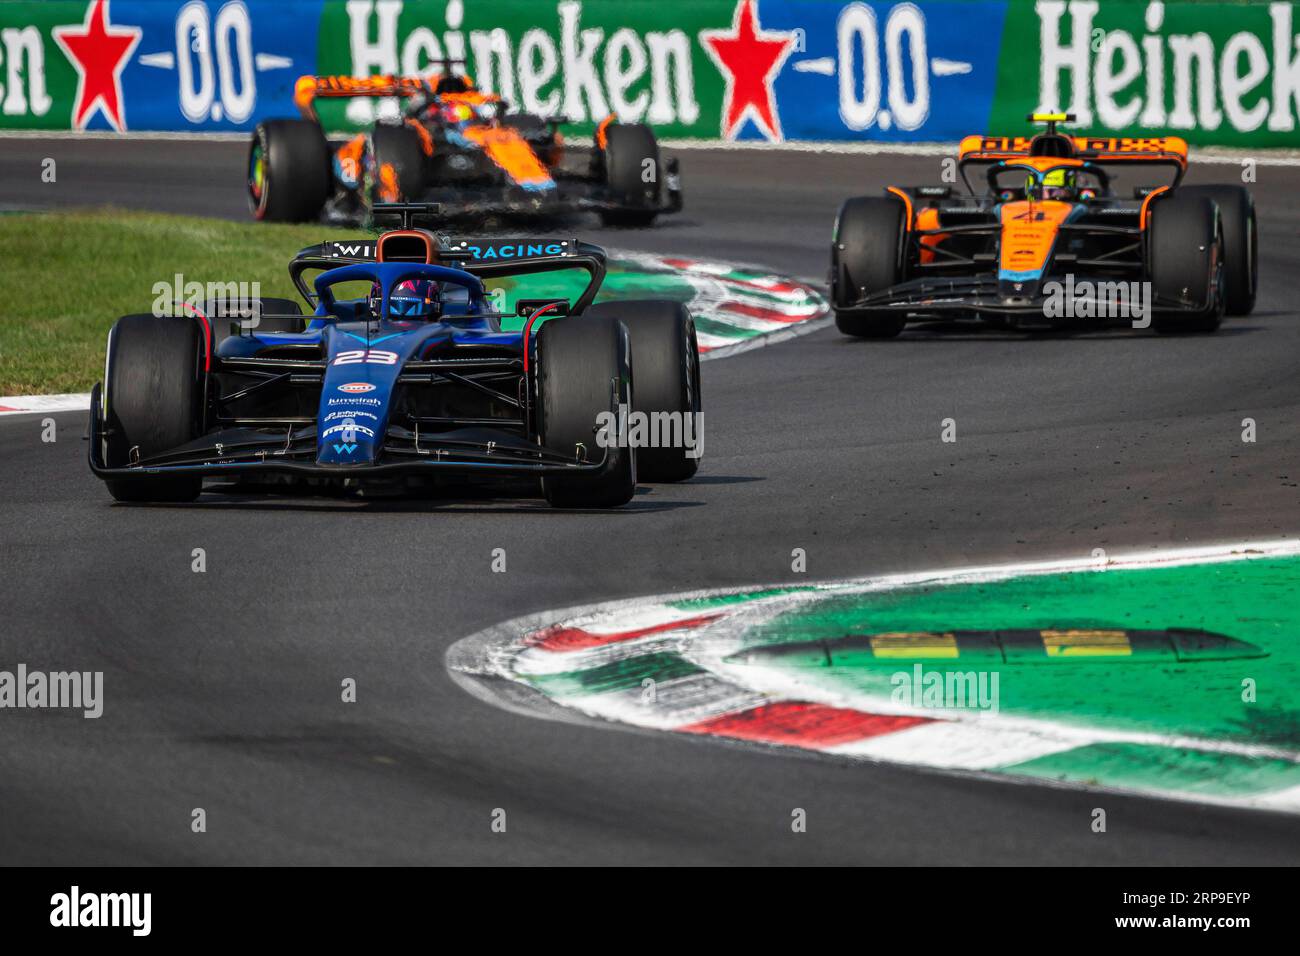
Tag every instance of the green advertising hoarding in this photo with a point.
(760, 70)
(1214, 73)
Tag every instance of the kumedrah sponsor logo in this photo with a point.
(78, 909)
(82, 690)
(636, 429)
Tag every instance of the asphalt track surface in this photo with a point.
(222, 689)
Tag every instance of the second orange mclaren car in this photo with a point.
(440, 139)
(1049, 240)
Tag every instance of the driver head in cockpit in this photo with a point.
(418, 299)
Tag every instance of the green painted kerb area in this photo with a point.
(623, 281)
(1144, 767)
(1256, 602)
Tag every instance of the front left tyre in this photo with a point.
(867, 257)
(152, 402)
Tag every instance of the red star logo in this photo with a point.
(99, 51)
(749, 58)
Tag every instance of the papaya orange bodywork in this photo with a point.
(426, 138)
(1146, 205)
(389, 191)
(1029, 231)
(928, 219)
(505, 147)
(350, 155)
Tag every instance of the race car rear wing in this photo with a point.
(1115, 149)
(485, 258)
(1170, 151)
(309, 88)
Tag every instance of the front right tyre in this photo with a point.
(152, 402)
(867, 257)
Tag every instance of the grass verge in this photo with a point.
(68, 276)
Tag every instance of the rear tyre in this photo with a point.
(289, 172)
(630, 150)
(1240, 250)
(1186, 263)
(667, 362)
(579, 360)
(152, 401)
(398, 147)
(866, 256)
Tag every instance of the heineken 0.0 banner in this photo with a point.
(756, 70)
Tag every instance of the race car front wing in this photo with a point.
(983, 294)
(474, 448)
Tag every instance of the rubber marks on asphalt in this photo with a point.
(1167, 674)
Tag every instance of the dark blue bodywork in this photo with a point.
(364, 356)
(362, 362)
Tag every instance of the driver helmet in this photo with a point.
(410, 299)
(1056, 184)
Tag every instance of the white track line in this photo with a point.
(975, 745)
(35, 404)
(1264, 156)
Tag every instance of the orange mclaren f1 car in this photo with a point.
(440, 139)
(1046, 239)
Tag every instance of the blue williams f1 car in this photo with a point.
(413, 380)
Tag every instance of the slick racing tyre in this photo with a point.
(289, 175)
(229, 317)
(667, 362)
(1240, 252)
(152, 398)
(866, 256)
(398, 148)
(630, 151)
(1186, 263)
(584, 367)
